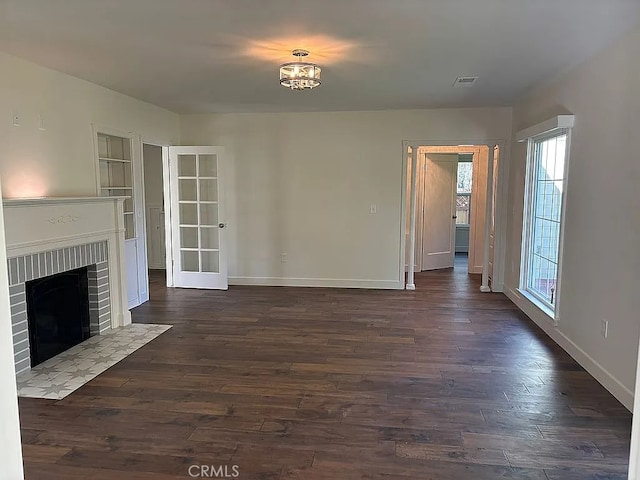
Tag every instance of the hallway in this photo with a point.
(312, 383)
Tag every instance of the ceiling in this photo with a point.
(222, 56)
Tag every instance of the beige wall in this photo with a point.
(60, 160)
(601, 262)
(303, 183)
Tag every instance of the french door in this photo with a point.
(197, 217)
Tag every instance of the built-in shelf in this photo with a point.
(116, 175)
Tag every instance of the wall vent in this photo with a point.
(465, 81)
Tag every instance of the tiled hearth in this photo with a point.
(58, 377)
(42, 264)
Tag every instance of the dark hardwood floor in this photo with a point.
(300, 383)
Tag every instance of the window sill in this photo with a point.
(540, 306)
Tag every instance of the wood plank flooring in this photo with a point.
(317, 384)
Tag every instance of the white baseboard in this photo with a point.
(602, 375)
(317, 282)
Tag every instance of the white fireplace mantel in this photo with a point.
(34, 225)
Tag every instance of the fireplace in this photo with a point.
(57, 313)
(63, 247)
(43, 285)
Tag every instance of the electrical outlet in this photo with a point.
(283, 258)
(604, 328)
(373, 209)
(15, 119)
(42, 126)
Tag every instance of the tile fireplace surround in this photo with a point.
(46, 236)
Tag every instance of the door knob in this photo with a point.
(222, 225)
(454, 217)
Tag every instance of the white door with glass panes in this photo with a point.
(197, 218)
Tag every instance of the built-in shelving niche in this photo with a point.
(116, 175)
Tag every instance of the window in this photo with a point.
(463, 196)
(543, 215)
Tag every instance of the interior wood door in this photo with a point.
(438, 236)
(197, 217)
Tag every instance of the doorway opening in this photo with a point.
(450, 211)
(184, 210)
(154, 207)
(463, 211)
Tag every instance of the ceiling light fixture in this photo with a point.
(300, 75)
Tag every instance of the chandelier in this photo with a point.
(299, 75)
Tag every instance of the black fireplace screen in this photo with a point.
(58, 313)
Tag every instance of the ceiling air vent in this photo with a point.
(465, 81)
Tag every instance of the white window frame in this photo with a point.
(469, 194)
(554, 127)
(468, 224)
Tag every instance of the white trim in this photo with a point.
(487, 219)
(9, 416)
(530, 179)
(168, 239)
(502, 209)
(634, 456)
(601, 374)
(140, 220)
(26, 248)
(563, 213)
(502, 216)
(555, 123)
(402, 259)
(540, 305)
(164, 146)
(137, 198)
(317, 282)
(412, 218)
(38, 201)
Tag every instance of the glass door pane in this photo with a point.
(198, 213)
(208, 198)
